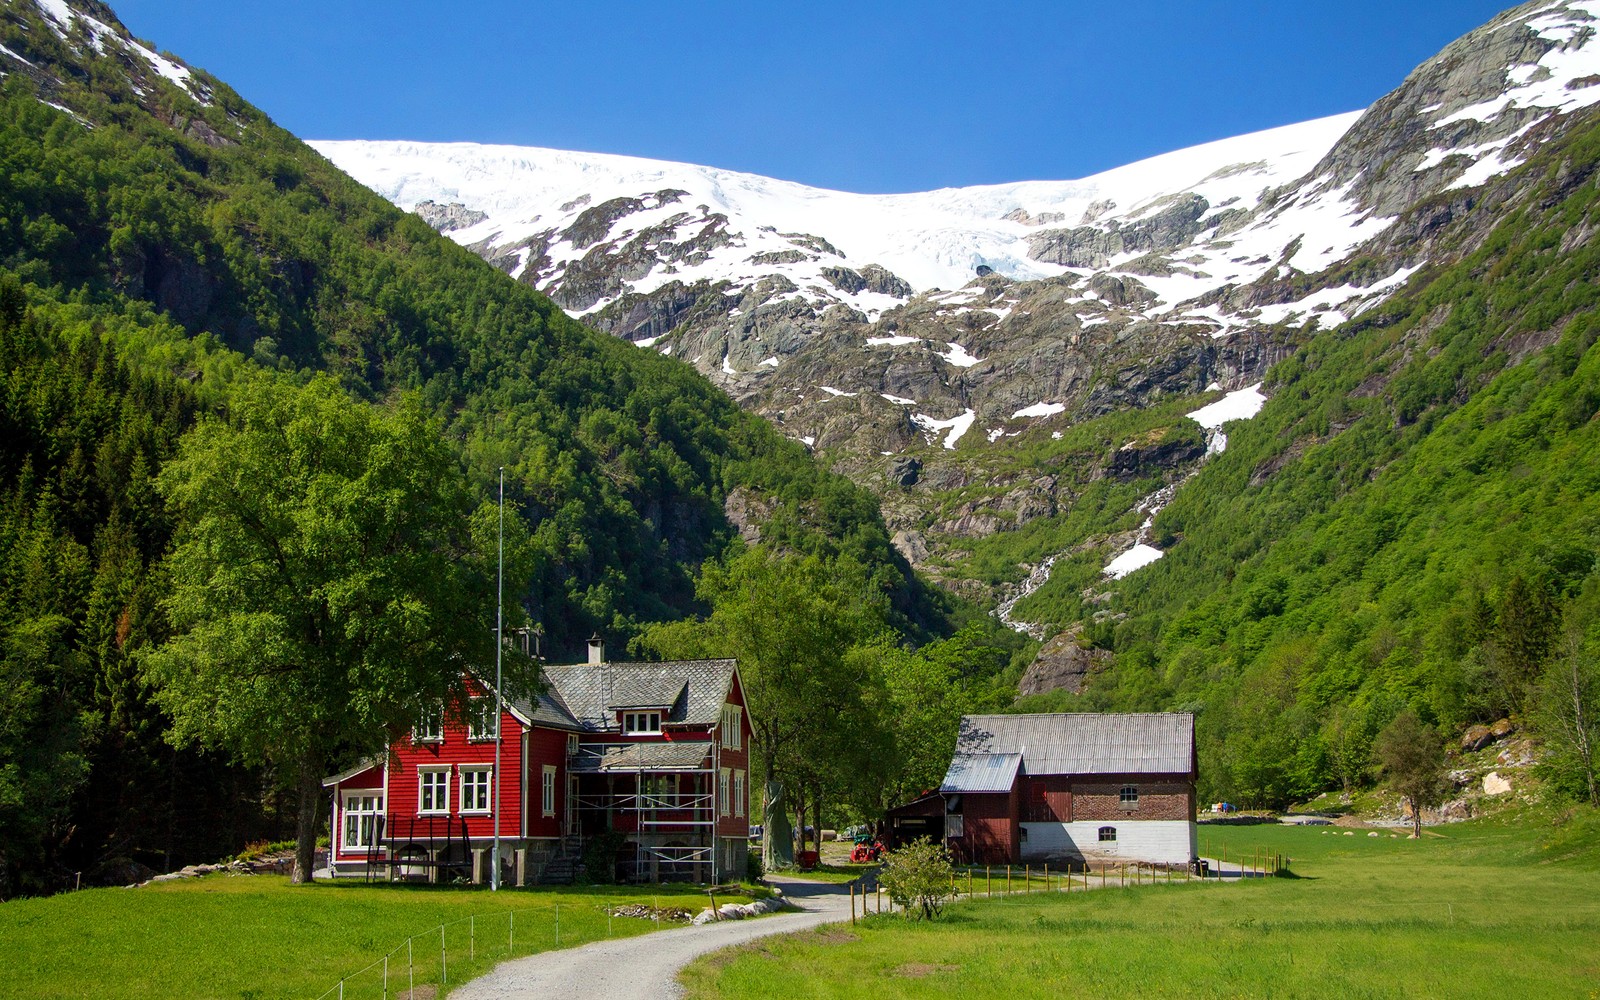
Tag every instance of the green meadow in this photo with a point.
(1481, 909)
(259, 938)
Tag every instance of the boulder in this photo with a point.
(731, 911)
(1503, 728)
(1061, 663)
(705, 916)
(1476, 738)
(1495, 783)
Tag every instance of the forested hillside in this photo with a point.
(163, 244)
(1411, 521)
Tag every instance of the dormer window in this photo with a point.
(641, 723)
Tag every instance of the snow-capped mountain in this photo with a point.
(549, 209)
(985, 306)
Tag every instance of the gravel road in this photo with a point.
(646, 967)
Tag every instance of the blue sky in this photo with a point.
(863, 96)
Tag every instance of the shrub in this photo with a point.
(919, 878)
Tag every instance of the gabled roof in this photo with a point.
(1079, 743)
(691, 692)
(545, 710)
(981, 772)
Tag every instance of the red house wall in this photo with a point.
(545, 746)
(737, 823)
(453, 751)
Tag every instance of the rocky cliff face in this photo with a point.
(935, 345)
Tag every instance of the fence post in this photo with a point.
(558, 925)
(411, 973)
(386, 977)
(511, 934)
(988, 879)
(852, 904)
(444, 966)
(472, 935)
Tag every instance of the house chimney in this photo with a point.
(597, 649)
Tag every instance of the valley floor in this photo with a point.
(1480, 909)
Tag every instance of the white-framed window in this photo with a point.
(732, 727)
(738, 793)
(476, 781)
(363, 819)
(430, 726)
(572, 744)
(722, 792)
(1129, 796)
(547, 790)
(641, 723)
(480, 719)
(433, 790)
(1108, 834)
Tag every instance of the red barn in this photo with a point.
(1071, 788)
(650, 758)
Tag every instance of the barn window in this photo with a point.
(1130, 796)
(1108, 834)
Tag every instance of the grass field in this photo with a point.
(1481, 909)
(258, 938)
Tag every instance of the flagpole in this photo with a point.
(499, 647)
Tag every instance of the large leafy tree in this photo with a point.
(323, 585)
(798, 626)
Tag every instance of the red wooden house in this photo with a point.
(655, 754)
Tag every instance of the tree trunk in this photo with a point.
(1416, 818)
(308, 813)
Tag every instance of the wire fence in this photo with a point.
(424, 964)
(988, 881)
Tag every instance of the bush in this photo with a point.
(919, 878)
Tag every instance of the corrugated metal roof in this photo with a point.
(981, 772)
(1082, 743)
(593, 692)
(676, 756)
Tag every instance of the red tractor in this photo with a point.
(866, 851)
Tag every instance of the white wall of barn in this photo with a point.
(1172, 842)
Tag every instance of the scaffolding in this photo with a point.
(637, 789)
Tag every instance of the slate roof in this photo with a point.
(692, 691)
(1080, 743)
(547, 710)
(981, 772)
(674, 756)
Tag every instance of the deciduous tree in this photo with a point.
(322, 582)
(1413, 763)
